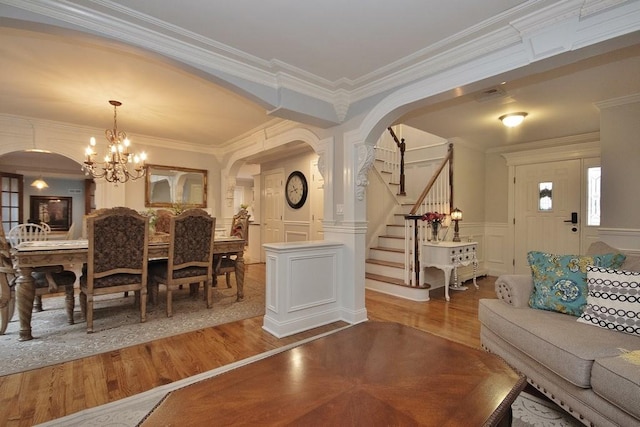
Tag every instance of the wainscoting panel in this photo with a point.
(302, 286)
(297, 231)
(304, 269)
(497, 255)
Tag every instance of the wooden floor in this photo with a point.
(44, 394)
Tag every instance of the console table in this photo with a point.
(448, 256)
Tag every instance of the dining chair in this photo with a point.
(8, 277)
(116, 258)
(226, 264)
(70, 232)
(27, 233)
(163, 221)
(190, 258)
(48, 279)
(7, 283)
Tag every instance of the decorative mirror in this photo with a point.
(169, 185)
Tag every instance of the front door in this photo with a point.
(547, 200)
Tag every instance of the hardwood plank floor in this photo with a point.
(44, 394)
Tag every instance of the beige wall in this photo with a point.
(468, 182)
(496, 188)
(620, 159)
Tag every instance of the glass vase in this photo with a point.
(434, 232)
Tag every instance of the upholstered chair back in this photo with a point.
(163, 221)
(117, 257)
(117, 245)
(190, 259)
(191, 244)
(240, 225)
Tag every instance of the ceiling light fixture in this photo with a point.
(39, 183)
(512, 119)
(115, 167)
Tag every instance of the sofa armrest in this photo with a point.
(514, 289)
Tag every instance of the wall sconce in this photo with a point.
(456, 215)
(512, 119)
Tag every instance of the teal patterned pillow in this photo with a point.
(560, 281)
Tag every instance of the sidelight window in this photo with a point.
(593, 196)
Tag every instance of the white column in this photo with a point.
(351, 230)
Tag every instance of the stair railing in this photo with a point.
(402, 148)
(437, 196)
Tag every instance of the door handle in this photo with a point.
(574, 218)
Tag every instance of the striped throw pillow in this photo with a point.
(613, 300)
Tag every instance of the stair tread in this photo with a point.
(390, 236)
(393, 280)
(385, 263)
(387, 279)
(382, 248)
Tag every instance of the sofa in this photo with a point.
(590, 371)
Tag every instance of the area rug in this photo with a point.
(117, 325)
(533, 411)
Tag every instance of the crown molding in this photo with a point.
(592, 21)
(616, 102)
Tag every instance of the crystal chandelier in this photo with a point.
(115, 167)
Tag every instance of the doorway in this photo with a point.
(550, 201)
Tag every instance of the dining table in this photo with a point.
(72, 254)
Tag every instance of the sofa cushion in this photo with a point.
(560, 281)
(556, 341)
(617, 379)
(613, 301)
(631, 263)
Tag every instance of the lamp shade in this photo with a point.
(456, 215)
(512, 119)
(39, 183)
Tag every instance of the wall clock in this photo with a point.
(296, 189)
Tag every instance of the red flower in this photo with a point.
(433, 217)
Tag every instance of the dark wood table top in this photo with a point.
(370, 374)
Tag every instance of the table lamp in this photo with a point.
(456, 215)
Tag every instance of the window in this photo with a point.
(545, 201)
(10, 200)
(593, 196)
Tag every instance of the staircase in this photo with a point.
(390, 265)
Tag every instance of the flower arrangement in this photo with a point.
(153, 216)
(178, 208)
(433, 217)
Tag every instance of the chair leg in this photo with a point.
(152, 291)
(5, 315)
(193, 290)
(86, 305)
(169, 302)
(69, 303)
(37, 303)
(143, 304)
(208, 291)
(7, 303)
(83, 304)
(228, 280)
